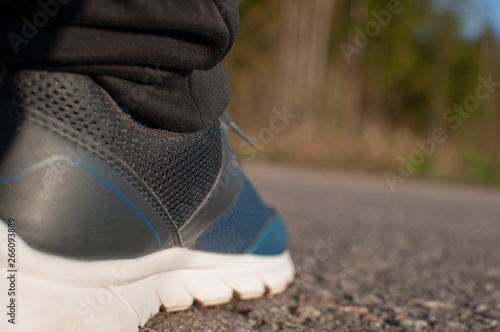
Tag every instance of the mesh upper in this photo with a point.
(179, 168)
(237, 229)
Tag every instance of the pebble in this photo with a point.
(466, 314)
(489, 287)
(356, 310)
(453, 325)
(369, 316)
(439, 305)
(421, 324)
(268, 327)
(482, 308)
(308, 311)
(407, 323)
(274, 310)
(368, 300)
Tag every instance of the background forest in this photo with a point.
(386, 86)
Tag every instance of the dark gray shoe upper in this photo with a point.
(84, 180)
(67, 200)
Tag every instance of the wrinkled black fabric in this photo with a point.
(159, 59)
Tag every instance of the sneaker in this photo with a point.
(105, 220)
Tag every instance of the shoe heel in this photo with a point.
(35, 302)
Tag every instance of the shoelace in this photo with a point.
(240, 131)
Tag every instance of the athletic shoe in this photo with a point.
(105, 220)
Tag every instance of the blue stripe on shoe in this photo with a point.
(273, 240)
(241, 227)
(51, 160)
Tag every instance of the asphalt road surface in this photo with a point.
(423, 258)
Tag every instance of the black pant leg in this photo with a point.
(159, 59)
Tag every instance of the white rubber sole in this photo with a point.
(55, 294)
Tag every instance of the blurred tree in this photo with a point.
(405, 72)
